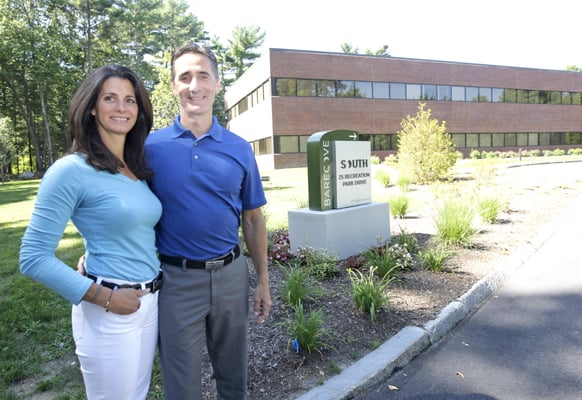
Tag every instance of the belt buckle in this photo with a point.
(213, 265)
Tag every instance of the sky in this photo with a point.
(521, 33)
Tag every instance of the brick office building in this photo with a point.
(287, 95)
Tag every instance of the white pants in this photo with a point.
(116, 352)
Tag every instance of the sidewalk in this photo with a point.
(525, 342)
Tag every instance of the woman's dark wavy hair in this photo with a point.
(83, 128)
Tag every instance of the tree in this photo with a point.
(425, 150)
(348, 48)
(163, 99)
(6, 146)
(240, 54)
(573, 68)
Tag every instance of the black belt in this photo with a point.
(212, 264)
(154, 285)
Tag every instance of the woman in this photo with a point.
(100, 186)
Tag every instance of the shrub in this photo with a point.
(434, 258)
(403, 182)
(298, 284)
(306, 330)
(558, 152)
(426, 152)
(368, 292)
(320, 264)
(489, 207)
(279, 248)
(374, 160)
(399, 205)
(574, 152)
(407, 240)
(389, 261)
(390, 159)
(354, 262)
(453, 221)
(475, 154)
(383, 176)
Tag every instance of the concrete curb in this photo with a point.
(396, 352)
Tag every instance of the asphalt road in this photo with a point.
(524, 343)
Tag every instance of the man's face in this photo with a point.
(194, 85)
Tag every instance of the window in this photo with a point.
(325, 88)
(285, 87)
(262, 146)
(286, 144)
(485, 95)
(380, 142)
(458, 140)
(397, 91)
(522, 139)
(485, 140)
(544, 139)
(458, 93)
(498, 140)
(363, 90)
(555, 138)
(497, 95)
(522, 96)
(306, 88)
(510, 95)
(444, 93)
(566, 98)
(573, 138)
(413, 91)
(345, 89)
(511, 139)
(555, 97)
(381, 90)
(303, 143)
(472, 140)
(429, 92)
(534, 97)
(577, 98)
(532, 139)
(472, 94)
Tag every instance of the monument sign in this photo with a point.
(338, 170)
(341, 216)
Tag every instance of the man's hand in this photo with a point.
(263, 302)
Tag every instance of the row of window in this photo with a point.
(400, 91)
(416, 91)
(298, 143)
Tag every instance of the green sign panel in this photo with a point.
(320, 168)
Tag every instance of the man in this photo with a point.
(208, 182)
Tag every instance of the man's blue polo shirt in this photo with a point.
(203, 184)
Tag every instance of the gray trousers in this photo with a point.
(197, 308)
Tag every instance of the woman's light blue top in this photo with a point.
(115, 215)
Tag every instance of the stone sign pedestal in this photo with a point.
(344, 232)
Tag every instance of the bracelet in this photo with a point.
(106, 307)
(96, 294)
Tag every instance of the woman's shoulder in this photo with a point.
(69, 164)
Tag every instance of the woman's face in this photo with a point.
(116, 110)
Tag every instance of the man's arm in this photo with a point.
(255, 236)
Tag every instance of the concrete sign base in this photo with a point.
(344, 232)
